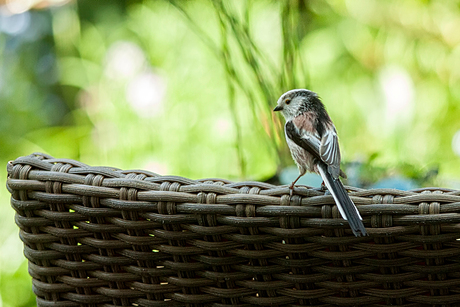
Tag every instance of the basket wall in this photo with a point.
(100, 236)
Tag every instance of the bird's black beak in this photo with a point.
(278, 108)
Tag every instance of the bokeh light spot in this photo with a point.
(124, 60)
(146, 92)
(18, 6)
(398, 95)
(398, 89)
(15, 24)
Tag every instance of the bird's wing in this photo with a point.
(325, 149)
(330, 152)
(304, 139)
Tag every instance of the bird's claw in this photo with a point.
(291, 191)
(323, 187)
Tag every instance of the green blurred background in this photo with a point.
(187, 88)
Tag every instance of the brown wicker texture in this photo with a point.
(100, 236)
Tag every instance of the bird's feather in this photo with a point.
(328, 172)
(344, 203)
(330, 152)
(311, 143)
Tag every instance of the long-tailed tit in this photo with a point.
(314, 146)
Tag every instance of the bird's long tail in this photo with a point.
(345, 205)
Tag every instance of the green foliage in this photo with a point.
(16, 288)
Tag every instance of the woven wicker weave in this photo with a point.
(100, 236)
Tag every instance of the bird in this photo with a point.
(312, 139)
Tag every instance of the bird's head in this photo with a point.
(296, 102)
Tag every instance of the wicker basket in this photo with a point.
(100, 236)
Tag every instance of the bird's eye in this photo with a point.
(287, 101)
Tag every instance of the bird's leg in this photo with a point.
(291, 187)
